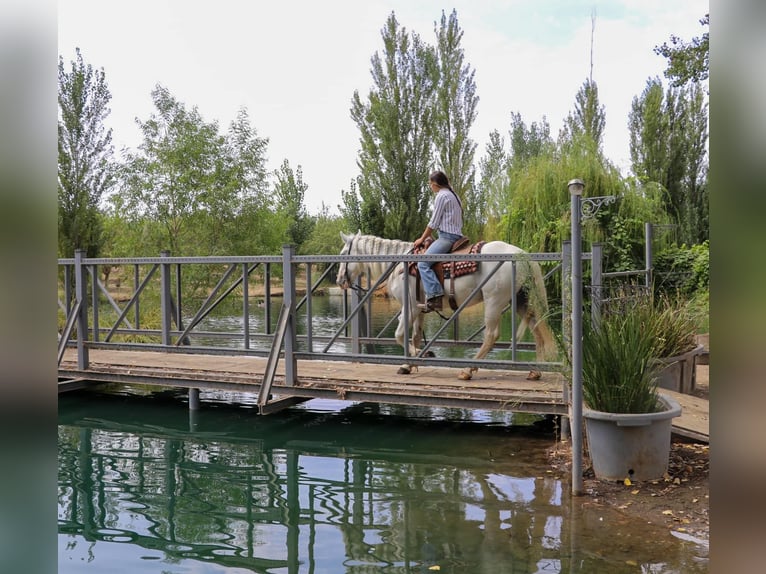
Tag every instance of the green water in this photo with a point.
(146, 486)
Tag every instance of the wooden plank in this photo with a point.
(694, 421)
(491, 389)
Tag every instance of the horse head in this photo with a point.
(348, 271)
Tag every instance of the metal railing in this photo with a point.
(158, 307)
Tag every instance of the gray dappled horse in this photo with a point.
(532, 301)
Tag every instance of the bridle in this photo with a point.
(346, 277)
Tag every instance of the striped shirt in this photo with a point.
(447, 215)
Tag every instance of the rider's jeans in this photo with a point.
(431, 284)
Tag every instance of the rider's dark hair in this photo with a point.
(440, 179)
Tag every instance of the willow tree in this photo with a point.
(455, 113)
(85, 166)
(395, 123)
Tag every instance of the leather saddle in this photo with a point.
(449, 269)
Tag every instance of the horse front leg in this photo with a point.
(416, 330)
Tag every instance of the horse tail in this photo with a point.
(544, 339)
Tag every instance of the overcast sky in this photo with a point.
(295, 64)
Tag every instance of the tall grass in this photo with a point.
(619, 354)
(617, 361)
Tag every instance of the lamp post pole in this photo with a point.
(576, 187)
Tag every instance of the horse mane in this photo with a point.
(374, 245)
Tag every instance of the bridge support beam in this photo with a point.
(194, 403)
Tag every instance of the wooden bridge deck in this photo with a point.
(365, 382)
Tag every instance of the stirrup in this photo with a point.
(433, 304)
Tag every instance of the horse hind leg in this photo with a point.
(528, 321)
(491, 333)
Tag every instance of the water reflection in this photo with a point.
(360, 489)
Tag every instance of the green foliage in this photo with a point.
(395, 124)
(85, 165)
(588, 119)
(619, 354)
(290, 191)
(668, 136)
(683, 270)
(196, 184)
(687, 62)
(454, 114)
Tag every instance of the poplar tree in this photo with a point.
(290, 192)
(396, 126)
(588, 118)
(85, 168)
(668, 136)
(456, 102)
(494, 183)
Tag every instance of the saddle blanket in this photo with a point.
(452, 268)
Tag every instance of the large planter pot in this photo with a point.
(634, 446)
(679, 373)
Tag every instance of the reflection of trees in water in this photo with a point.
(238, 501)
(298, 502)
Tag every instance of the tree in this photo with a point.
(170, 179)
(455, 113)
(668, 137)
(687, 62)
(494, 184)
(351, 208)
(203, 189)
(529, 142)
(588, 119)
(395, 124)
(289, 193)
(85, 167)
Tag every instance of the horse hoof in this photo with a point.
(429, 354)
(534, 376)
(404, 370)
(463, 376)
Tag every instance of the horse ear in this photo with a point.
(359, 233)
(344, 237)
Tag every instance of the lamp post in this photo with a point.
(576, 187)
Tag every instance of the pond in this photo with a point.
(145, 485)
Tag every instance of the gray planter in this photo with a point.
(634, 446)
(679, 373)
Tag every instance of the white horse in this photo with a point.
(532, 301)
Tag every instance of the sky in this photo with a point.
(295, 65)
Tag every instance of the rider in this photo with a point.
(447, 219)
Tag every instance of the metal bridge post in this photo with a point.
(288, 274)
(94, 299)
(165, 302)
(566, 326)
(576, 188)
(648, 265)
(596, 283)
(81, 297)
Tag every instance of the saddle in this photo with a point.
(449, 269)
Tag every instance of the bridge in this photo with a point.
(143, 321)
(283, 357)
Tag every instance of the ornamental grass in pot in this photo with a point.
(627, 420)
